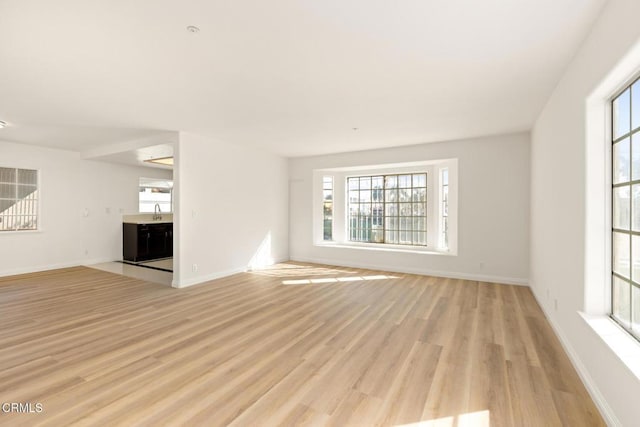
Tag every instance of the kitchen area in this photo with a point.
(147, 238)
(148, 243)
(147, 235)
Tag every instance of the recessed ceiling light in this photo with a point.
(355, 128)
(193, 29)
(2, 125)
(167, 161)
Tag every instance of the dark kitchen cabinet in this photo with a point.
(141, 242)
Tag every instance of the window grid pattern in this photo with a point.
(327, 207)
(625, 239)
(18, 199)
(388, 209)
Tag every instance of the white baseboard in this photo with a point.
(91, 262)
(426, 272)
(39, 268)
(206, 278)
(601, 403)
(213, 276)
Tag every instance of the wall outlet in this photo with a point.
(481, 265)
(86, 251)
(107, 210)
(194, 268)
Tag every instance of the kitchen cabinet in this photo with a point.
(142, 242)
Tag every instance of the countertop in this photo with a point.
(142, 221)
(147, 218)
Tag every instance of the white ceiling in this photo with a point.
(77, 138)
(291, 76)
(140, 156)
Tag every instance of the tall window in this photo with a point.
(327, 207)
(625, 281)
(444, 215)
(18, 199)
(155, 191)
(388, 209)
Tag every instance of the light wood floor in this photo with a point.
(333, 346)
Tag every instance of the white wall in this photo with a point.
(559, 206)
(231, 211)
(493, 210)
(69, 185)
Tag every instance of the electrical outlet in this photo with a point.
(107, 210)
(86, 251)
(481, 265)
(194, 268)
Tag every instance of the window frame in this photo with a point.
(387, 218)
(340, 214)
(326, 186)
(614, 140)
(38, 200)
(596, 305)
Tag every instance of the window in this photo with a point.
(396, 207)
(625, 239)
(327, 207)
(444, 208)
(18, 199)
(155, 191)
(388, 209)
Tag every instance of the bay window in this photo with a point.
(404, 206)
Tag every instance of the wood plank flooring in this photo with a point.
(297, 344)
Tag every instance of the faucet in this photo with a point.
(157, 212)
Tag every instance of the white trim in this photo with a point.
(7, 232)
(425, 272)
(621, 343)
(39, 228)
(340, 199)
(601, 403)
(214, 276)
(27, 270)
(597, 173)
(209, 277)
(384, 247)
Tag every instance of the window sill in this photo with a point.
(20, 232)
(619, 341)
(383, 248)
